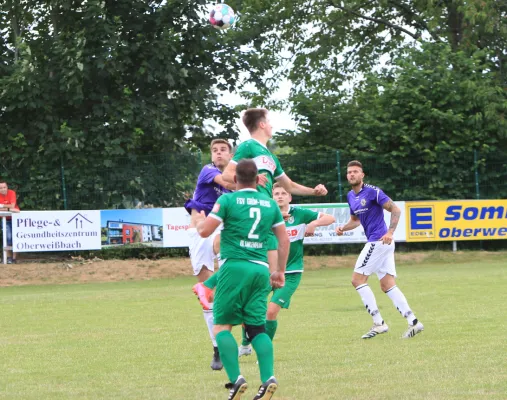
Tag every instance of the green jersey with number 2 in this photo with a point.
(248, 217)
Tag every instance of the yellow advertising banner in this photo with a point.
(430, 221)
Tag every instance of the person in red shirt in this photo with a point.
(8, 203)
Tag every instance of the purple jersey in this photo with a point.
(206, 191)
(367, 205)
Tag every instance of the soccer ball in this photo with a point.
(222, 16)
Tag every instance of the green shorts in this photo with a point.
(283, 295)
(272, 242)
(241, 295)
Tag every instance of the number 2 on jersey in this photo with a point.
(254, 213)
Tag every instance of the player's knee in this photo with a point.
(387, 286)
(273, 310)
(253, 330)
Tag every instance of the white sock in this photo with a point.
(400, 302)
(208, 317)
(370, 303)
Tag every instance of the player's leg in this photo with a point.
(246, 349)
(201, 257)
(228, 312)
(226, 342)
(387, 278)
(254, 311)
(281, 299)
(212, 281)
(367, 264)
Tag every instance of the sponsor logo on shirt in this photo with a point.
(265, 163)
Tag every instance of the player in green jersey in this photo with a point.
(244, 282)
(299, 222)
(258, 123)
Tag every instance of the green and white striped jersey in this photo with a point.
(296, 227)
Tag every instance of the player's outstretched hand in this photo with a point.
(319, 190)
(339, 230)
(263, 180)
(277, 280)
(387, 238)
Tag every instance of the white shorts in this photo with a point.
(378, 258)
(201, 250)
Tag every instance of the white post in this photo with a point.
(454, 246)
(4, 236)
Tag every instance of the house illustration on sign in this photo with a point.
(79, 218)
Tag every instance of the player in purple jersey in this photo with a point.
(367, 204)
(210, 186)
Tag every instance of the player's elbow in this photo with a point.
(203, 232)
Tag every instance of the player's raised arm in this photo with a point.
(352, 223)
(206, 225)
(323, 220)
(219, 180)
(229, 172)
(300, 190)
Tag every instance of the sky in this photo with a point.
(281, 120)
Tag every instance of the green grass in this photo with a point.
(147, 340)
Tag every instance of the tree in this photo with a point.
(93, 86)
(415, 125)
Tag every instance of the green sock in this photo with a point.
(211, 282)
(245, 341)
(264, 349)
(271, 326)
(228, 349)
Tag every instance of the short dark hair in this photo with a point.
(355, 163)
(253, 116)
(220, 141)
(246, 172)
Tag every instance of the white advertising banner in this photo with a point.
(176, 221)
(341, 211)
(56, 230)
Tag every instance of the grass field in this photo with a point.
(147, 340)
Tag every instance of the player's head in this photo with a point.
(257, 120)
(246, 173)
(3, 187)
(281, 196)
(221, 152)
(355, 174)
